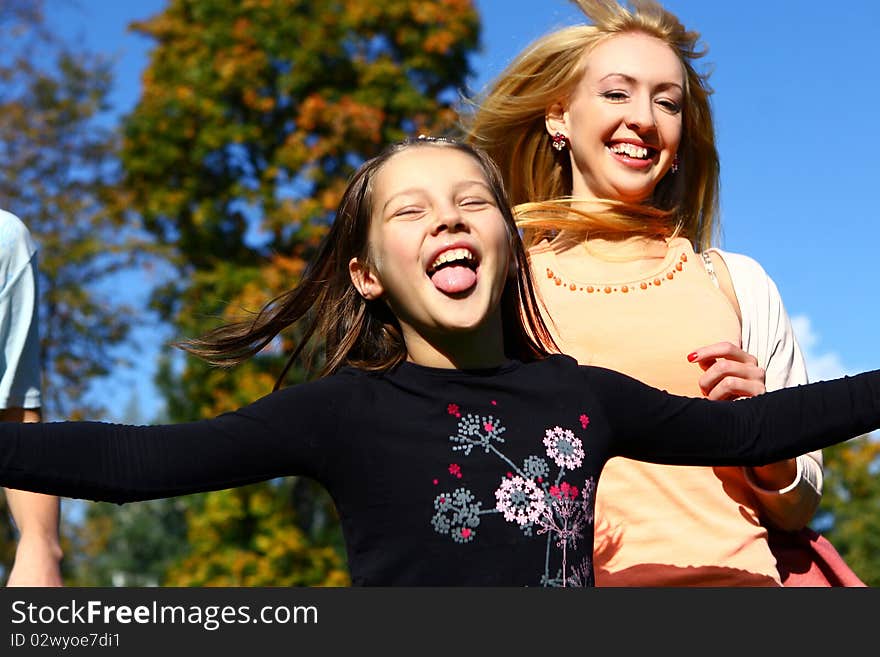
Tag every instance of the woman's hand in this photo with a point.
(731, 373)
(728, 372)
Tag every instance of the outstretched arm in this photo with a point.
(651, 425)
(284, 433)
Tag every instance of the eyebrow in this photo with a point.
(632, 80)
(418, 190)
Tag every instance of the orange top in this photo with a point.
(657, 525)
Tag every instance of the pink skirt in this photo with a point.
(805, 558)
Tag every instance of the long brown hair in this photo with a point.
(508, 122)
(352, 330)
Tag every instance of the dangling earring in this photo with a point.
(560, 141)
(675, 163)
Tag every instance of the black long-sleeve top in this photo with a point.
(444, 477)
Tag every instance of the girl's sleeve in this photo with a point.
(651, 425)
(285, 433)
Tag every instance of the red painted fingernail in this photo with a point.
(692, 356)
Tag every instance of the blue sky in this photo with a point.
(796, 92)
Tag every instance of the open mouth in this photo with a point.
(638, 155)
(454, 270)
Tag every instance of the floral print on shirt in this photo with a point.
(534, 495)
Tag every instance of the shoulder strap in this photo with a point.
(724, 282)
(710, 268)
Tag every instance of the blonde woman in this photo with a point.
(605, 137)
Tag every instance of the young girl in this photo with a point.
(456, 450)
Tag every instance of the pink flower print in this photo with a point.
(488, 426)
(494, 403)
(581, 576)
(436, 482)
(564, 491)
(453, 409)
(587, 504)
(520, 500)
(585, 420)
(563, 447)
(455, 470)
(564, 518)
(465, 533)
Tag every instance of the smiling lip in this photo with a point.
(454, 278)
(632, 159)
(451, 247)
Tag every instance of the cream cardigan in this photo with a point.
(767, 334)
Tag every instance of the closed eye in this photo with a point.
(408, 212)
(475, 202)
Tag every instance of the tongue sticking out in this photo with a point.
(454, 278)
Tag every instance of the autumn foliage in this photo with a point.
(252, 116)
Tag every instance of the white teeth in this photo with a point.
(450, 256)
(631, 150)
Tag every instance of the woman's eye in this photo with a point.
(615, 96)
(670, 106)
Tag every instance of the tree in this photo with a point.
(128, 545)
(59, 174)
(849, 514)
(253, 114)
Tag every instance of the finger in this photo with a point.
(731, 369)
(731, 388)
(726, 350)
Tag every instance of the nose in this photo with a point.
(640, 117)
(449, 218)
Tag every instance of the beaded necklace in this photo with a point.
(638, 285)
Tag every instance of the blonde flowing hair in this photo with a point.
(508, 122)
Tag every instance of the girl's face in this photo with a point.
(439, 253)
(623, 120)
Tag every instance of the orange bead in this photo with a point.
(684, 257)
(670, 275)
(607, 290)
(678, 266)
(644, 286)
(624, 289)
(558, 281)
(549, 273)
(657, 281)
(572, 287)
(590, 289)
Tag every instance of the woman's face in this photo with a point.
(623, 121)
